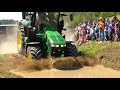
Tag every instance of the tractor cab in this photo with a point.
(37, 20)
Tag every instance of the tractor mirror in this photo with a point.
(71, 17)
(46, 13)
(61, 24)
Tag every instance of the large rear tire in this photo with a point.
(20, 42)
(34, 53)
(71, 50)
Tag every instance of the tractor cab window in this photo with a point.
(48, 18)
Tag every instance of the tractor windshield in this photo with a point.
(48, 18)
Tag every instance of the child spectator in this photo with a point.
(106, 34)
(92, 33)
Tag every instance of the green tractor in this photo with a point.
(39, 35)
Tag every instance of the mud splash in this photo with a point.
(87, 72)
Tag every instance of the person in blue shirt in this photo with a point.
(106, 34)
(111, 31)
(107, 22)
(97, 32)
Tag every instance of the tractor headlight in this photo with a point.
(56, 45)
(63, 45)
(52, 45)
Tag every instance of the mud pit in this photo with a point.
(8, 45)
(86, 72)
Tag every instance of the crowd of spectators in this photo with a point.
(100, 30)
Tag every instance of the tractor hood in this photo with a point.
(54, 37)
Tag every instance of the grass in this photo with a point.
(95, 48)
(88, 49)
(107, 54)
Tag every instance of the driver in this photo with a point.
(43, 18)
(47, 18)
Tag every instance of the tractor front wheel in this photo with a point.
(34, 53)
(71, 50)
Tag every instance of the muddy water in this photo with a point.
(87, 72)
(8, 42)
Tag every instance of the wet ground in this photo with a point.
(87, 72)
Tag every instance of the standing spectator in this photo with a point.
(110, 31)
(92, 33)
(88, 31)
(115, 19)
(78, 33)
(101, 29)
(97, 32)
(117, 31)
(83, 35)
(106, 33)
(107, 22)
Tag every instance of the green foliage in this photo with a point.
(91, 16)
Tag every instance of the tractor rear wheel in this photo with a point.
(71, 50)
(34, 53)
(20, 42)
